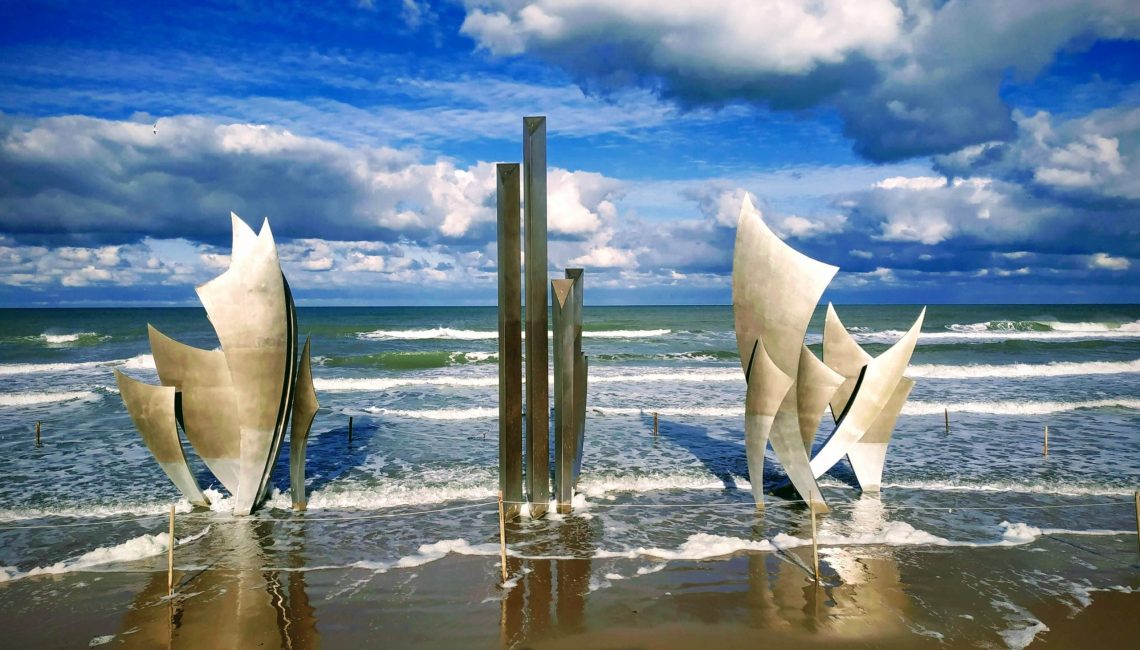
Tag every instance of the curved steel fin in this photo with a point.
(775, 289)
(774, 293)
(881, 377)
(245, 305)
(768, 386)
(152, 410)
(207, 410)
(815, 385)
(868, 456)
(843, 355)
(287, 397)
(305, 407)
(580, 376)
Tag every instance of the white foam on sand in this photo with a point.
(137, 548)
(1024, 627)
(430, 553)
(699, 546)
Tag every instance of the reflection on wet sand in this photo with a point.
(238, 605)
(550, 598)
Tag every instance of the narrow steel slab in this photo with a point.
(152, 410)
(537, 361)
(305, 406)
(510, 338)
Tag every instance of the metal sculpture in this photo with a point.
(570, 365)
(510, 339)
(569, 386)
(537, 386)
(774, 292)
(234, 403)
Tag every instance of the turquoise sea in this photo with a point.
(420, 386)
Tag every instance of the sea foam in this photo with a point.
(33, 398)
(475, 335)
(1023, 370)
(137, 548)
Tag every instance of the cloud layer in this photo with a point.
(909, 78)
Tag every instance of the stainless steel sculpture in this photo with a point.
(510, 339)
(305, 406)
(569, 386)
(537, 386)
(234, 403)
(843, 354)
(774, 292)
(152, 410)
(570, 365)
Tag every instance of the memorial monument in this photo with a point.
(234, 403)
(775, 290)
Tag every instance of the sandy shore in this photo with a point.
(1047, 594)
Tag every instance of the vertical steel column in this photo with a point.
(537, 386)
(510, 339)
(580, 369)
(565, 447)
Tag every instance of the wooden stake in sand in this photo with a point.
(814, 543)
(170, 556)
(947, 412)
(1136, 496)
(502, 538)
(654, 424)
(37, 433)
(1046, 439)
(350, 429)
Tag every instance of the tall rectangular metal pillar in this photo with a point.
(563, 308)
(537, 363)
(581, 367)
(510, 338)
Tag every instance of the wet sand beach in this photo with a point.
(1048, 593)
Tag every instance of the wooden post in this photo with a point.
(535, 284)
(1136, 496)
(1046, 439)
(814, 543)
(170, 556)
(350, 429)
(37, 433)
(655, 424)
(947, 412)
(502, 538)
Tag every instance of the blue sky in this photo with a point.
(935, 151)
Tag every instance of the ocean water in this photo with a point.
(419, 478)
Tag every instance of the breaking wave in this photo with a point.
(1019, 370)
(140, 362)
(33, 398)
(475, 335)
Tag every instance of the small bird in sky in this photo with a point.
(156, 128)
